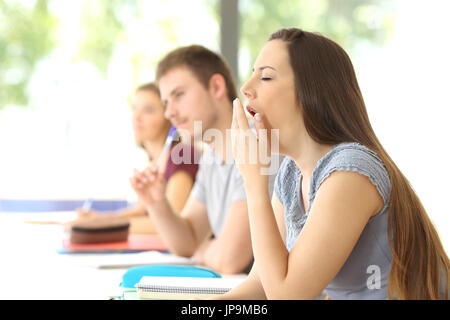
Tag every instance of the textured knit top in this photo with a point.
(365, 273)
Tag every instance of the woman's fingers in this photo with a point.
(240, 115)
(259, 123)
(234, 123)
(262, 133)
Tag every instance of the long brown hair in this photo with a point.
(334, 111)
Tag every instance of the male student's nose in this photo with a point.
(171, 111)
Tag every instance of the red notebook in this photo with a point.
(135, 243)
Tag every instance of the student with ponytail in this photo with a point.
(343, 218)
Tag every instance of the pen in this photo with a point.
(167, 145)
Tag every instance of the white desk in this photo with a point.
(31, 268)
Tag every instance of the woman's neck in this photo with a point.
(309, 156)
(305, 152)
(154, 147)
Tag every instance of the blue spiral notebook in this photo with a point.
(133, 275)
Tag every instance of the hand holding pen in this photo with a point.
(85, 210)
(150, 185)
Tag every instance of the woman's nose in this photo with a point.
(247, 90)
(136, 116)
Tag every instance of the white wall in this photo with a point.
(406, 87)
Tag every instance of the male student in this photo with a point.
(197, 89)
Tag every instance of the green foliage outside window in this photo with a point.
(28, 31)
(27, 34)
(348, 22)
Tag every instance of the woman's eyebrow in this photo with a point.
(264, 67)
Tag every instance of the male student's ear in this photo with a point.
(217, 86)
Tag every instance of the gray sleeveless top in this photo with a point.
(365, 273)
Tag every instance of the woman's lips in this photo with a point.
(251, 111)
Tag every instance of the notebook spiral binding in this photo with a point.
(167, 289)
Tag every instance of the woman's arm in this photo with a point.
(249, 289)
(135, 211)
(252, 288)
(178, 189)
(342, 206)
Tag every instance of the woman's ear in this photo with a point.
(217, 86)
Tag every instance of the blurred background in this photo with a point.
(68, 68)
